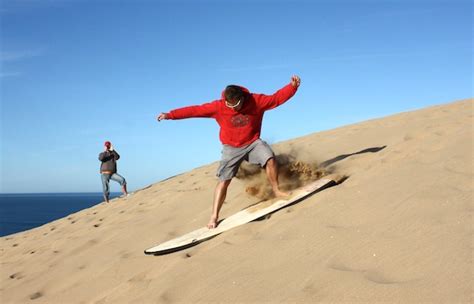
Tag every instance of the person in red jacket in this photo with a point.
(239, 114)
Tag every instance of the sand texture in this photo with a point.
(399, 229)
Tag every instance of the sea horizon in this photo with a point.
(24, 211)
(53, 193)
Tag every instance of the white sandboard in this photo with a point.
(242, 217)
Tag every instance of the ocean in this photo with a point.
(20, 212)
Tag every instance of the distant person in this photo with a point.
(108, 170)
(239, 114)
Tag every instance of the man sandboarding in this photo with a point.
(239, 114)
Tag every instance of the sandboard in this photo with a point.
(242, 217)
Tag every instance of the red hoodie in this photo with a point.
(238, 128)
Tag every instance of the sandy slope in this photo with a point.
(398, 230)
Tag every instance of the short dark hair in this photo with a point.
(233, 93)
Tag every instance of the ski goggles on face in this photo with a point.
(233, 105)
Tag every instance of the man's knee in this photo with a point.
(270, 162)
(224, 183)
(119, 179)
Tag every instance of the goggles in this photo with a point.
(233, 105)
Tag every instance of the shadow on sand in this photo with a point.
(331, 161)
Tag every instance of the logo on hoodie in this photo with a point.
(240, 120)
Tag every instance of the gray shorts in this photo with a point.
(258, 152)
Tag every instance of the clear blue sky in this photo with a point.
(76, 73)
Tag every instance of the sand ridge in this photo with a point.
(398, 230)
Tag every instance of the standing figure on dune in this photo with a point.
(108, 170)
(239, 114)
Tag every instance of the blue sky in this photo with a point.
(75, 73)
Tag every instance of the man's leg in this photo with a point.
(105, 186)
(230, 162)
(263, 155)
(121, 180)
(271, 169)
(219, 197)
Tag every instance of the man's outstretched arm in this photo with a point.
(268, 102)
(204, 110)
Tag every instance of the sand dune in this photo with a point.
(398, 230)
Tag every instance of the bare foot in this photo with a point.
(212, 223)
(279, 193)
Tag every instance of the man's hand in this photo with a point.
(295, 81)
(162, 116)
